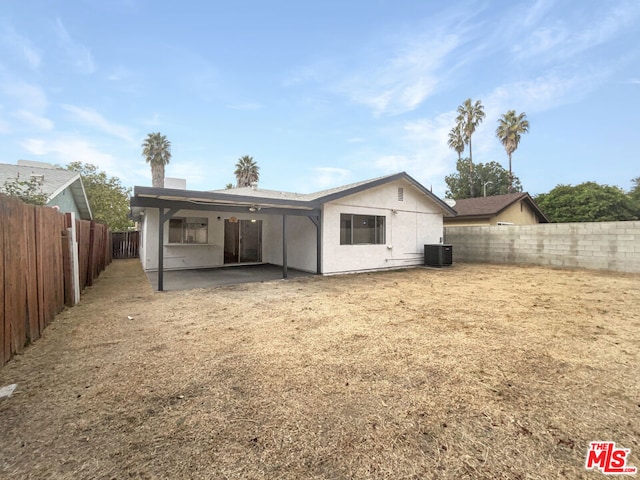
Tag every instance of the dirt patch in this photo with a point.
(477, 371)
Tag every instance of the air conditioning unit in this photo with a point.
(438, 255)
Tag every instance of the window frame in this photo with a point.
(378, 230)
(187, 228)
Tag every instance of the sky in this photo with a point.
(321, 94)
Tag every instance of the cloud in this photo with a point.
(90, 117)
(392, 74)
(66, 149)
(421, 146)
(326, 177)
(28, 96)
(34, 120)
(405, 79)
(536, 12)
(563, 39)
(78, 54)
(28, 103)
(543, 93)
(21, 45)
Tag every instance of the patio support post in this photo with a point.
(317, 221)
(160, 249)
(284, 246)
(319, 248)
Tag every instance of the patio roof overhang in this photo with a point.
(170, 201)
(149, 197)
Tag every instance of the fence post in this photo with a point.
(91, 260)
(72, 270)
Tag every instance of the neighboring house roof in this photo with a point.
(52, 182)
(493, 205)
(250, 195)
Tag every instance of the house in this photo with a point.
(375, 224)
(509, 209)
(62, 188)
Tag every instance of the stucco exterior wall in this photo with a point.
(184, 256)
(611, 246)
(410, 224)
(301, 243)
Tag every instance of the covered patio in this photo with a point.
(215, 277)
(267, 212)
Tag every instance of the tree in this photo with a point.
(29, 191)
(456, 140)
(491, 177)
(108, 199)
(587, 202)
(228, 186)
(246, 172)
(157, 152)
(470, 115)
(510, 128)
(634, 193)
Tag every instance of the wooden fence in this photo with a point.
(36, 268)
(125, 244)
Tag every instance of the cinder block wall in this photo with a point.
(611, 246)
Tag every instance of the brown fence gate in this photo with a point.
(125, 244)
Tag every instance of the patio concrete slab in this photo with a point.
(214, 277)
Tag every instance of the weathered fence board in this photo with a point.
(31, 277)
(35, 269)
(125, 244)
(3, 335)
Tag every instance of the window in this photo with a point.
(361, 229)
(188, 230)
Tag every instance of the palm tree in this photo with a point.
(246, 172)
(510, 127)
(456, 140)
(470, 115)
(157, 152)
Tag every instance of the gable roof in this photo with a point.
(268, 198)
(339, 192)
(493, 205)
(53, 182)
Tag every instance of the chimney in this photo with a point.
(175, 183)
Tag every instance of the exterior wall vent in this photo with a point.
(400, 194)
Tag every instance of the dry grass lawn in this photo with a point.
(478, 371)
